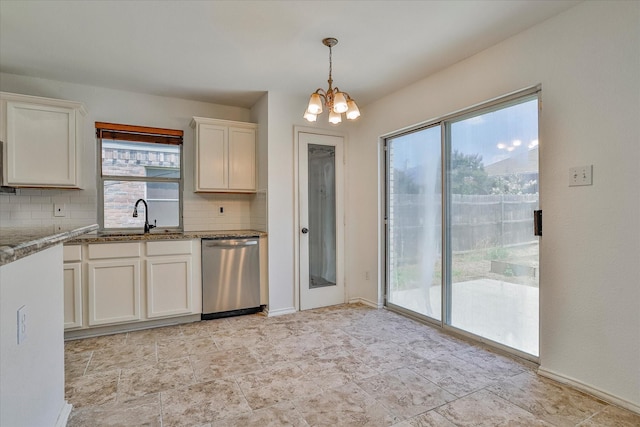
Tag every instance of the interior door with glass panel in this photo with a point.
(321, 214)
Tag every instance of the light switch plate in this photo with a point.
(581, 175)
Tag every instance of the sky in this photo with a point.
(495, 135)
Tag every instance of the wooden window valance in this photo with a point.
(115, 131)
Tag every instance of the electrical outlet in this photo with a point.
(366, 275)
(59, 210)
(581, 175)
(22, 324)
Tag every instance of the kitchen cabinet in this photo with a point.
(225, 156)
(114, 291)
(114, 283)
(72, 256)
(42, 141)
(130, 282)
(169, 279)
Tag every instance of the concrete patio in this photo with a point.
(500, 311)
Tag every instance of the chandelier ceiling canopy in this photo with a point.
(336, 101)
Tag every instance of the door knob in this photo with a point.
(305, 230)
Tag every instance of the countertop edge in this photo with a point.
(15, 252)
(150, 237)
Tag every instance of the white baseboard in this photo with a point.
(365, 302)
(63, 416)
(129, 327)
(615, 400)
(279, 312)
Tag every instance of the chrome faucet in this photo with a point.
(147, 226)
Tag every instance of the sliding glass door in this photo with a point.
(485, 280)
(414, 218)
(493, 181)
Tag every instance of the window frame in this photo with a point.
(115, 132)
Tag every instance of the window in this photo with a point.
(139, 163)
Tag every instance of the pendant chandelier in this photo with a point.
(337, 102)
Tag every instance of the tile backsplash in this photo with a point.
(35, 208)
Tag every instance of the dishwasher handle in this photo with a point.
(230, 243)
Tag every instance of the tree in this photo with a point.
(515, 184)
(403, 183)
(468, 175)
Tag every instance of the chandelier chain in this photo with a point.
(330, 66)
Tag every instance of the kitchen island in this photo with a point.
(31, 326)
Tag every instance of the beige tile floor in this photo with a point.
(348, 365)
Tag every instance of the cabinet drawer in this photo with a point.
(114, 250)
(72, 253)
(178, 247)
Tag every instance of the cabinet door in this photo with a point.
(212, 158)
(72, 295)
(41, 145)
(114, 291)
(169, 286)
(242, 159)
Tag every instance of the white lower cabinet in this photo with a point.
(72, 295)
(114, 291)
(169, 286)
(127, 282)
(72, 273)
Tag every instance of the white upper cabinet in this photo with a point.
(242, 159)
(42, 141)
(225, 156)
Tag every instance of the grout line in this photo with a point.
(161, 407)
(86, 367)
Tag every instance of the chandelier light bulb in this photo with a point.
(353, 112)
(310, 117)
(340, 103)
(315, 104)
(334, 118)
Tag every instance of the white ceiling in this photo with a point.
(230, 52)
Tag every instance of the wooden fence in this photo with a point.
(478, 221)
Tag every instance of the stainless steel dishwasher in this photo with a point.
(230, 277)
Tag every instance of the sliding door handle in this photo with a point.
(537, 223)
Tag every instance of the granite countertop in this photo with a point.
(16, 243)
(124, 237)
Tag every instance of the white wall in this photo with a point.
(280, 209)
(32, 386)
(32, 207)
(260, 115)
(284, 113)
(588, 62)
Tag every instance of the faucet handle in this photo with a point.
(155, 224)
